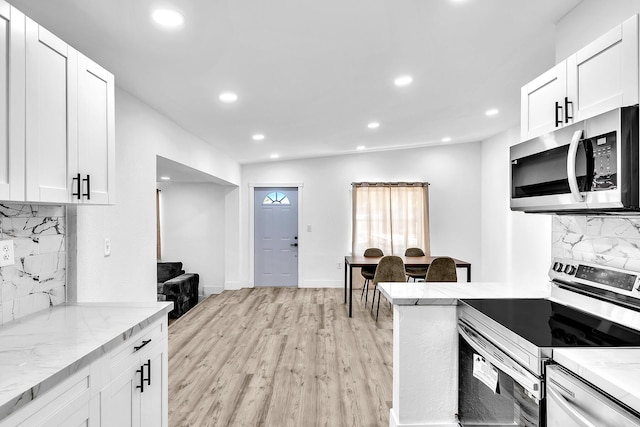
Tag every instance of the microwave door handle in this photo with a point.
(567, 408)
(571, 166)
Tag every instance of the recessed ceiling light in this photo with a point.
(492, 112)
(274, 156)
(446, 139)
(373, 125)
(403, 81)
(228, 97)
(168, 18)
(360, 147)
(165, 178)
(258, 137)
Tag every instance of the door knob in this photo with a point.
(294, 244)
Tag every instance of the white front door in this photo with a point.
(276, 236)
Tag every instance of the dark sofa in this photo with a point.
(177, 286)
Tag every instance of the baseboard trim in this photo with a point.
(393, 422)
(212, 290)
(321, 284)
(232, 286)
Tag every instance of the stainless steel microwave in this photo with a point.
(587, 167)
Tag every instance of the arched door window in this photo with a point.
(276, 198)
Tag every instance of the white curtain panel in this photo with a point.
(390, 216)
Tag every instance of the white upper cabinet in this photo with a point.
(96, 133)
(542, 102)
(604, 75)
(598, 78)
(51, 119)
(70, 126)
(12, 75)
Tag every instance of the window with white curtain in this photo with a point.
(390, 216)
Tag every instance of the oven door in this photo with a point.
(494, 390)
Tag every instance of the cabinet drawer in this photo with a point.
(129, 352)
(71, 397)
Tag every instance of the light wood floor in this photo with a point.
(280, 357)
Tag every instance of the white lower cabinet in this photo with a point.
(137, 396)
(66, 404)
(125, 387)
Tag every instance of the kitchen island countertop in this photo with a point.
(423, 293)
(41, 350)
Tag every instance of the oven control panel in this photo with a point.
(616, 280)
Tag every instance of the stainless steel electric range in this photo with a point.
(507, 344)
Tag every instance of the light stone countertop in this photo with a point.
(423, 293)
(614, 370)
(40, 350)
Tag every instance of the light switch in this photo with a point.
(6, 253)
(308, 228)
(107, 246)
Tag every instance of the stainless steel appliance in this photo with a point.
(572, 402)
(590, 166)
(506, 344)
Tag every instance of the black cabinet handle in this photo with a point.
(566, 109)
(73, 193)
(138, 347)
(141, 372)
(558, 119)
(88, 181)
(148, 365)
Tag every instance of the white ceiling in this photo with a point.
(310, 75)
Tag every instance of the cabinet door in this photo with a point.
(122, 408)
(538, 102)
(96, 132)
(153, 401)
(12, 72)
(51, 116)
(604, 75)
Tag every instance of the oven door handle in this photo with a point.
(531, 383)
(571, 166)
(568, 409)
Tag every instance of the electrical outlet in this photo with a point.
(339, 265)
(6, 253)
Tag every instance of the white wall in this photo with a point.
(129, 274)
(192, 220)
(588, 21)
(454, 174)
(516, 247)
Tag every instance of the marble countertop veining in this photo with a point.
(423, 293)
(40, 350)
(614, 370)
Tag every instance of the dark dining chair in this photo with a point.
(442, 269)
(390, 269)
(369, 272)
(415, 272)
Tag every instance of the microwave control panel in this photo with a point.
(604, 162)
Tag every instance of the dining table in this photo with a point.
(351, 262)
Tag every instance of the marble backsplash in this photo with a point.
(612, 241)
(37, 280)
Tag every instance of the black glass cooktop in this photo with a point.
(546, 323)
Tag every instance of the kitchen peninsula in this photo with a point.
(425, 346)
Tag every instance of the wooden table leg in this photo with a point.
(469, 273)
